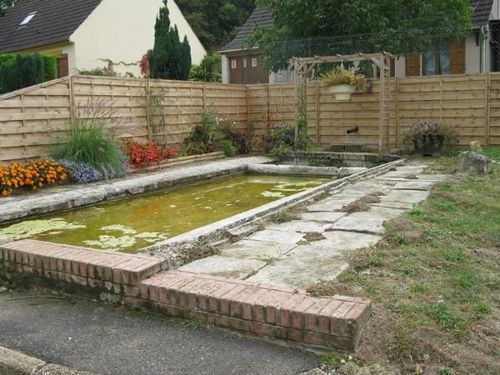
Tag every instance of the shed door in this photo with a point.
(235, 70)
(63, 68)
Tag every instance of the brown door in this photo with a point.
(235, 70)
(457, 57)
(63, 68)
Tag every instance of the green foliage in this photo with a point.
(22, 71)
(341, 76)
(5, 5)
(216, 134)
(416, 136)
(100, 72)
(50, 67)
(170, 58)
(398, 26)
(91, 144)
(229, 148)
(208, 71)
(215, 22)
(283, 140)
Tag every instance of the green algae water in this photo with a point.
(132, 224)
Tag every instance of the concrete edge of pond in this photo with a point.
(219, 229)
(14, 209)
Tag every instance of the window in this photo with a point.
(245, 63)
(436, 60)
(234, 64)
(27, 19)
(254, 62)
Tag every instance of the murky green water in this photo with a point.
(135, 223)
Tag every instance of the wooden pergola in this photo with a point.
(304, 66)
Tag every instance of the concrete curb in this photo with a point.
(16, 363)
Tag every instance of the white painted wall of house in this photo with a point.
(123, 30)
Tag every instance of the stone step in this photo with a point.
(256, 308)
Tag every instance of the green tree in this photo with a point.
(170, 58)
(215, 22)
(209, 69)
(351, 26)
(4, 5)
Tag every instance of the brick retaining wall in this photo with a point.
(138, 281)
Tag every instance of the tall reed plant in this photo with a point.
(90, 143)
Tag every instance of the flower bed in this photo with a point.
(33, 175)
(144, 155)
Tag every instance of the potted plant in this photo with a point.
(344, 82)
(429, 138)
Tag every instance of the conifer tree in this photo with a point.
(170, 58)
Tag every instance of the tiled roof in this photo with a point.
(260, 17)
(55, 21)
(481, 12)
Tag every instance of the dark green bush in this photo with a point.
(21, 71)
(50, 67)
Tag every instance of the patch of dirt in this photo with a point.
(191, 253)
(314, 237)
(363, 203)
(331, 288)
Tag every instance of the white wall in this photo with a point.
(472, 55)
(123, 31)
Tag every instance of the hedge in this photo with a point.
(22, 70)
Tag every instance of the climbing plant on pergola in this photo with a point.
(304, 66)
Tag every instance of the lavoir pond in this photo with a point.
(132, 224)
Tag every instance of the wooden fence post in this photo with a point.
(72, 106)
(396, 116)
(268, 113)
(487, 109)
(149, 119)
(318, 114)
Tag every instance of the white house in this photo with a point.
(88, 34)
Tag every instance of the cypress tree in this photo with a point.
(170, 58)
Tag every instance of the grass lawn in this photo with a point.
(434, 281)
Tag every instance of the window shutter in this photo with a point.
(413, 65)
(457, 57)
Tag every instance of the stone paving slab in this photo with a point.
(300, 226)
(371, 221)
(404, 199)
(259, 250)
(303, 267)
(414, 185)
(324, 217)
(332, 204)
(340, 241)
(278, 236)
(237, 268)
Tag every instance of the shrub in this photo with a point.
(89, 143)
(33, 175)
(417, 135)
(50, 68)
(22, 71)
(144, 155)
(99, 72)
(208, 70)
(282, 141)
(211, 135)
(229, 148)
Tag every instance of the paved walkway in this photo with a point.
(300, 253)
(106, 340)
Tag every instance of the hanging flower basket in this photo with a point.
(342, 92)
(344, 82)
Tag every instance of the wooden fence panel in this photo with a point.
(32, 120)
